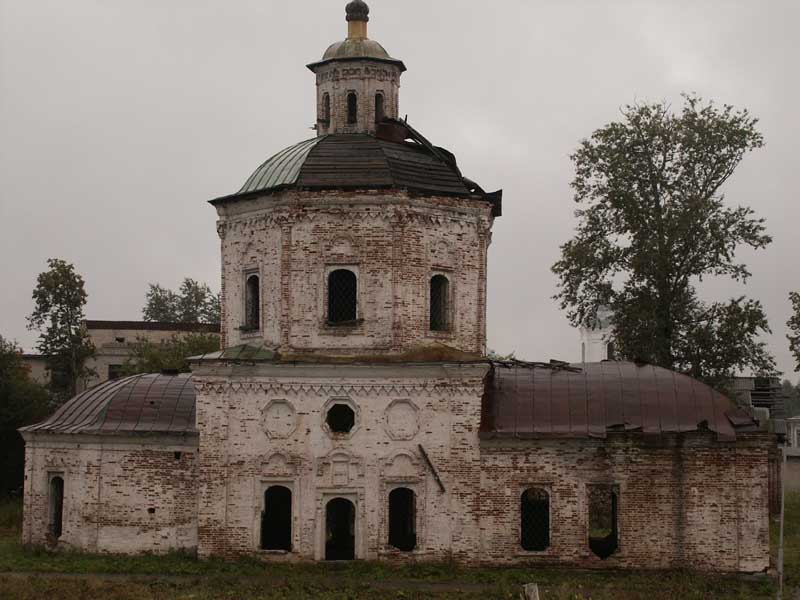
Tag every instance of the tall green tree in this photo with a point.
(194, 302)
(22, 402)
(148, 357)
(794, 328)
(652, 222)
(59, 299)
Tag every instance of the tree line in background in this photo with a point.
(59, 300)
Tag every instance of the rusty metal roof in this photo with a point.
(139, 404)
(398, 157)
(592, 399)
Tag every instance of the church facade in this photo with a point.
(353, 414)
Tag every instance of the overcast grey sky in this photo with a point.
(120, 118)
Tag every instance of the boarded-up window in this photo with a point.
(342, 297)
(440, 299)
(352, 108)
(535, 520)
(402, 519)
(603, 533)
(252, 302)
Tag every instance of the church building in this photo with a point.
(353, 413)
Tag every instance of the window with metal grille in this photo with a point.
(352, 108)
(402, 519)
(440, 309)
(535, 520)
(252, 303)
(603, 534)
(342, 297)
(379, 113)
(326, 109)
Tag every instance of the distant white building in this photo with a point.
(596, 344)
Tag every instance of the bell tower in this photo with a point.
(358, 83)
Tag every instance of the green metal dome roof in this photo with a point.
(357, 49)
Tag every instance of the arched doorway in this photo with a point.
(340, 530)
(276, 519)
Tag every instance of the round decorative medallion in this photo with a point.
(279, 419)
(402, 420)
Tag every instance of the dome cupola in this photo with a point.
(358, 82)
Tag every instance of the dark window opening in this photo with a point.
(56, 524)
(276, 519)
(178, 455)
(151, 511)
(326, 109)
(120, 340)
(379, 110)
(603, 534)
(610, 351)
(341, 418)
(439, 303)
(115, 372)
(340, 530)
(535, 520)
(342, 297)
(402, 519)
(252, 306)
(352, 108)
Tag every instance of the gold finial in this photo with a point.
(357, 19)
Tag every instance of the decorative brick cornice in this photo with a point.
(430, 389)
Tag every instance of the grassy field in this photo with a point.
(74, 576)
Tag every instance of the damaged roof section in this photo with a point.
(397, 157)
(139, 404)
(526, 401)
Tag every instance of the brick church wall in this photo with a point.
(394, 245)
(121, 495)
(684, 501)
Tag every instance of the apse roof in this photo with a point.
(397, 157)
(139, 404)
(527, 401)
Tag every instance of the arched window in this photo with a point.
(252, 302)
(610, 352)
(326, 109)
(342, 297)
(56, 524)
(276, 519)
(440, 299)
(535, 520)
(402, 519)
(603, 533)
(352, 108)
(379, 110)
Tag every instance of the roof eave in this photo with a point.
(391, 61)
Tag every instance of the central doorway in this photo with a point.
(276, 519)
(340, 530)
